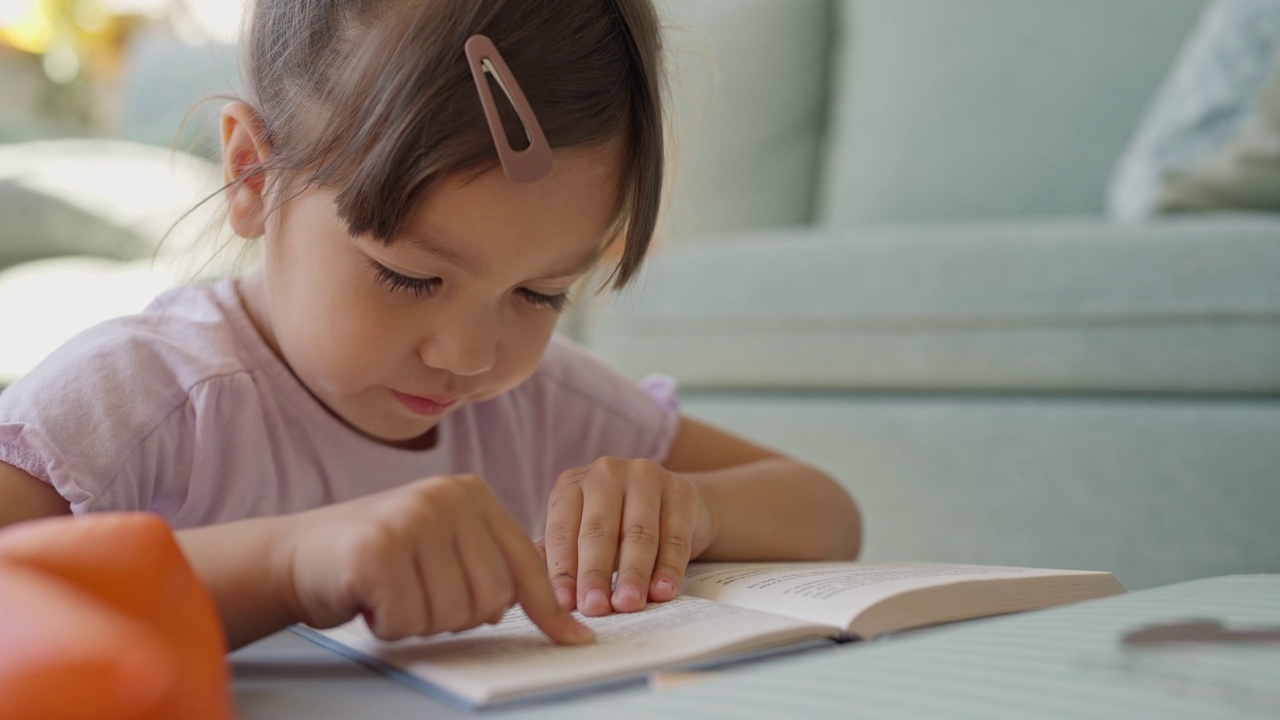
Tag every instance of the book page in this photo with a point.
(514, 659)
(1066, 662)
(833, 593)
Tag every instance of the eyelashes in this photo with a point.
(426, 287)
(555, 303)
(395, 282)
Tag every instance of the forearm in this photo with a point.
(778, 509)
(241, 564)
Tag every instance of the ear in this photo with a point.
(244, 150)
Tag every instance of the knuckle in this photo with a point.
(563, 577)
(641, 534)
(617, 467)
(596, 577)
(636, 575)
(670, 570)
(572, 478)
(400, 519)
(677, 545)
(451, 488)
(560, 535)
(454, 490)
(597, 530)
(679, 488)
(646, 464)
(602, 466)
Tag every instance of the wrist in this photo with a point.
(244, 565)
(707, 529)
(282, 538)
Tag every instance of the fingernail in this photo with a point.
(628, 597)
(597, 602)
(665, 588)
(564, 596)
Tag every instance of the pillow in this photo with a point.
(952, 110)
(1242, 175)
(1203, 104)
(747, 105)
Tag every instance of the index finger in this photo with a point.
(533, 587)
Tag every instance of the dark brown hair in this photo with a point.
(375, 99)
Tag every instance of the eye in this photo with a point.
(555, 303)
(395, 282)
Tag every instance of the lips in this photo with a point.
(427, 406)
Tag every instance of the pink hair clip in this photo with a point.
(521, 166)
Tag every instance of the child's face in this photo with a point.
(459, 310)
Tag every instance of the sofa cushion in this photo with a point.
(1186, 305)
(964, 109)
(748, 90)
(1202, 106)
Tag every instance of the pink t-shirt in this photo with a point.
(185, 411)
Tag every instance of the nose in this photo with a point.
(463, 346)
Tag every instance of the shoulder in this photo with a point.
(114, 391)
(123, 377)
(180, 340)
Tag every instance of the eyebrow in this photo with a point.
(428, 245)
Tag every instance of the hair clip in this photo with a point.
(521, 166)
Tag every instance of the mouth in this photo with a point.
(425, 406)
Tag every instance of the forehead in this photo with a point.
(485, 223)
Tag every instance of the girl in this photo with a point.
(378, 420)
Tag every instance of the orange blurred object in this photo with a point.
(102, 618)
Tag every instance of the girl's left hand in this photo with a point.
(631, 515)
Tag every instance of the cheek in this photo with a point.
(525, 347)
(336, 338)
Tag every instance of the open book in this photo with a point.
(726, 611)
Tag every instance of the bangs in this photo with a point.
(390, 109)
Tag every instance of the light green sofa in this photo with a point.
(887, 253)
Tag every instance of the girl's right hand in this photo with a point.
(437, 555)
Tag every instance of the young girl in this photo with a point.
(378, 419)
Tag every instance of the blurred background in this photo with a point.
(98, 68)
(1009, 269)
(106, 139)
